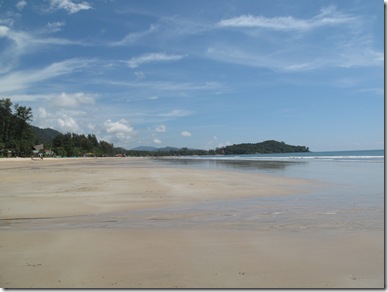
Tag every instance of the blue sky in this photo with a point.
(199, 74)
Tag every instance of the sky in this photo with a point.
(200, 74)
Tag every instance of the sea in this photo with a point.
(349, 192)
(300, 164)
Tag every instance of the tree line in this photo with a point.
(15, 132)
(18, 137)
(71, 144)
(266, 147)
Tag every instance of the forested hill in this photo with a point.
(45, 136)
(270, 146)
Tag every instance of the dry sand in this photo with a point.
(112, 223)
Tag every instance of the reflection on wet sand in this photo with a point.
(233, 164)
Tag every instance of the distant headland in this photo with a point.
(266, 147)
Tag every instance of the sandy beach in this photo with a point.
(134, 223)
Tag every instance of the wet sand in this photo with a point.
(132, 223)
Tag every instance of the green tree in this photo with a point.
(23, 132)
(15, 131)
(107, 148)
(6, 117)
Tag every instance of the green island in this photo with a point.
(20, 139)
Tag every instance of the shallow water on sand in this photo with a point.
(350, 196)
(347, 196)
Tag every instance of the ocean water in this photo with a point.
(349, 193)
(353, 155)
(304, 165)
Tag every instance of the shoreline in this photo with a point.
(133, 223)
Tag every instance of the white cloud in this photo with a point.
(328, 16)
(161, 129)
(176, 113)
(42, 113)
(119, 133)
(91, 126)
(139, 75)
(350, 45)
(21, 4)
(65, 119)
(118, 127)
(152, 58)
(358, 57)
(167, 85)
(295, 59)
(54, 26)
(186, 134)
(157, 141)
(68, 124)
(45, 119)
(3, 31)
(24, 79)
(134, 37)
(23, 43)
(69, 6)
(186, 86)
(72, 100)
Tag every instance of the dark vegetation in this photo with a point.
(44, 136)
(15, 132)
(17, 138)
(265, 147)
(71, 144)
